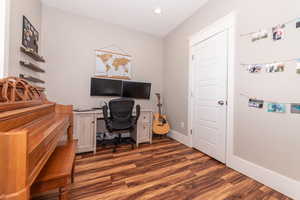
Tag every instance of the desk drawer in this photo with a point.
(144, 130)
(145, 117)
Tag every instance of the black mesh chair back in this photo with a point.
(121, 111)
(121, 118)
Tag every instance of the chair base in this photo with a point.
(119, 140)
(116, 142)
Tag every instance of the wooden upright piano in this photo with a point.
(31, 131)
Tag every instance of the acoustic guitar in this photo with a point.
(160, 123)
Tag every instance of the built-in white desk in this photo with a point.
(86, 126)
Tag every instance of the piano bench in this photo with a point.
(58, 171)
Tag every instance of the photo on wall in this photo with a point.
(298, 66)
(275, 67)
(30, 36)
(298, 23)
(276, 107)
(254, 68)
(278, 32)
(254, 103)
(280, 67)
(270, 68)
(295, 108)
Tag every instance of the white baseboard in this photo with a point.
(184, 139)
(274, 180)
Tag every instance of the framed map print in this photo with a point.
(113, 65)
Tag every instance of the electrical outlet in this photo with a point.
(182, 124)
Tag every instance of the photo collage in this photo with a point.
(277, 33)
(268, 68)
(273, 107)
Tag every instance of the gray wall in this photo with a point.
(3, 15)
(70, 41)
(32, 10)
(267, 139)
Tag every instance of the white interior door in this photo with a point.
(209, 95)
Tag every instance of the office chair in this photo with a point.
(121, 119)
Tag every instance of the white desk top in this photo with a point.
(88, 112)
(100, 111)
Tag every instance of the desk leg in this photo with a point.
(95, 146)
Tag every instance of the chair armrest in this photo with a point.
(138, 113)
(105, 114)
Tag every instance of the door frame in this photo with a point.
(226, 23)
(5, 30)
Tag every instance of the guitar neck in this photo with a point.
(159, 105)
(159, 111)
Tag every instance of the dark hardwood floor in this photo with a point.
(165, 170)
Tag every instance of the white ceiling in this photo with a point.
(134, 14)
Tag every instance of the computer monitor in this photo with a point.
(106, 87)
(136, 90)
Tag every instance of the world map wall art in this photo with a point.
(113, 65)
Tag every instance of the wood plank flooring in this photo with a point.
(165, 170)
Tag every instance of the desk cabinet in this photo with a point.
(85, 131)
(143, 132)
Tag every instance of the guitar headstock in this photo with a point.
(158, 95)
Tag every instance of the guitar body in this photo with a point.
(160, 125)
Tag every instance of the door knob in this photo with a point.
(221, 103)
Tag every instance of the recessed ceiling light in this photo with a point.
(157, 10)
